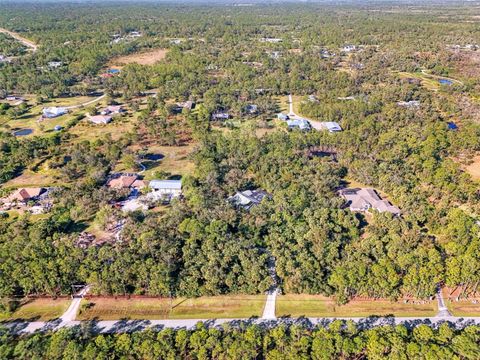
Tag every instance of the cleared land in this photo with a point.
(458, 305)
(142, 58)
(235, 306)
(39, 310)
(474, 168)
(321, 306)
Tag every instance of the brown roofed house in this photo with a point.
(122, 182)
(25, 194)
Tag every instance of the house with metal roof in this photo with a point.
(331, 126)
(248, 198)
(364, 199)
(300, 124)
(52, 112)
(166, 188)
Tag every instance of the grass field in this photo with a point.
(321, 306)
(40, 310)
(464, 307)
(142, 58)
(235, 306)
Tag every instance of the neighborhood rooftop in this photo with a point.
(364, 199)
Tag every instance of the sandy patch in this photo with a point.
(142, 58)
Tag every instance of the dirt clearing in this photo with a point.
(142, 58)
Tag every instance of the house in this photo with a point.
(274, 54)
(283, 117)
(349, 48)
(220, 115)
(312, 98)
(300, 124)
(53, 112)
(251, 109)
(175, 41)
(189, 105)
(331, 126)
(168, 188)
(271, 40)
(366, 198)
(112, 109)
(57, 128)
(55, 64)
(346, 98)
(126, 181)
(100, 119)
(248, 198)
(409, 104)
(24, 195)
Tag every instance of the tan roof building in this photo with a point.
(25, 194)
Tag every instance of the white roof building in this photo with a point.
(248, 198)
(366, 198)
(331, 126)
(100, 119)
(51, 112)
(301, 124)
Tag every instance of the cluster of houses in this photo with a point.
(163, 191)
(106, 114)
(364, 199)
(33, 200)
(132, 35)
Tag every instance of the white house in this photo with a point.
(100, 119)
(331, 126)
(300, 124)
(112, 109)
(169, 188)
(52, 112)
(54, 64)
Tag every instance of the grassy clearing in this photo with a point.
(175, 161)
(115, 309)
(464, 307)
(39, 310)
(142, 58)
(428, 82)
(321, 306)
(235, 306)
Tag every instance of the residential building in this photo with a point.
(24, 195)
(52, 112)
(300, 124)
(169, 188)
(283, 117)
(112, 109)
(349, 48)
(100, 119)
(409, 104)
(331, 126)
(248, 198)
(126, 181)
(364, 199)
(54, 64)
(251, 109)
(220, 115)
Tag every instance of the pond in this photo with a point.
(445, 82)
(23, 132)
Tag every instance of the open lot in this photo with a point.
(235, 306)
(142, 58)
(459, 305)
(474, 168)
(321, 306)
(39, 310)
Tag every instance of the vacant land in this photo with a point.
(39, 310)
(142, 58)
(321, 306)
(474, 168)
(121, 308)
(235, 306)
(465, 307)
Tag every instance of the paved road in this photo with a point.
(139, 325)
(28, 43)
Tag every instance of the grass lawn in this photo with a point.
(474, 168)
(428, 82)
(235, 306)
(463, 307)
(320, 306)
(232, 306)
(40, 310)
(114, 309)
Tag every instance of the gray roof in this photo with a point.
(166, 184)
(366, 198)
(248, 198)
